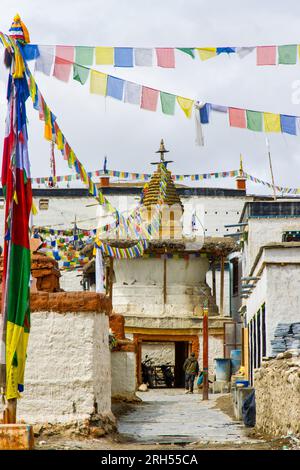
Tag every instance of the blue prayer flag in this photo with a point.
(123, 57)
(227, 50)
(204, 113)
(288, 124)
(31, 51)
(115, 87)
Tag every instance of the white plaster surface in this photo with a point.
(67, 369)
(70, 280)
(160, 353)
(215, 350)
(123, 370)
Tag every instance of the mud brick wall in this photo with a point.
(277, 391)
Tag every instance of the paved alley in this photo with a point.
(169, 416)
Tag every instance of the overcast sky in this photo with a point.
(96, 126)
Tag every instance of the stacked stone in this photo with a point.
(277, 392)
(286, 336)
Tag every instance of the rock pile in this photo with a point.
(286, 336)
(277, 391)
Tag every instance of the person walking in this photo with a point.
(191, 369)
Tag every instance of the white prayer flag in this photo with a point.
(143, 57)
(45, 60)
(133, 93)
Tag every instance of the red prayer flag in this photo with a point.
(64, 58)
(266, 55)
(165, 57)
(149, 98)
(237, 117)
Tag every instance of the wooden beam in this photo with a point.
(10, 412)
(222, 287)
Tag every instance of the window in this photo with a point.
(44, 204)
(258, 339)
(263, 330)
(235, 277)
(292, 236)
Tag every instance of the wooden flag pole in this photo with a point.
(205, 351)
(271, 167)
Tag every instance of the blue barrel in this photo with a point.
(223, 367)
(236, 357)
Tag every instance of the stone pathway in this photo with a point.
(169, 416)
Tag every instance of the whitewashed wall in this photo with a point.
(123, 374)
(160, 353)
(68, 368)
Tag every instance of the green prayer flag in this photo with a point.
(287, 54)
(187, 50)
(167, 103)
(84, 55)
(80, 74)
(254, 120)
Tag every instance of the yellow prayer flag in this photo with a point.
(206, 52)
(98, 83)
(186, 105)
(104, 55)
(272, 122)
(59, 140)
(48, 131)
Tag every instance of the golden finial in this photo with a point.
(241, 165)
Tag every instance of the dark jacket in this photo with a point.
(191, 366)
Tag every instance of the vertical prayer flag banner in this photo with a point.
(64, 58)
(123, 57)
(115, 87)
(237, 117)
(287, 54)
(104, 55)
(80, 73)
(266, 55)
(45, 59)
(165, 57)
(98, 83)
(143, 57)
(149, 98)
(187, 50)
(206, 53)
(254, 121)
(204, 113)
(132, 93)
(167, 103)
(84, 55)
(186, 105)
(288, 124)
(272, 122)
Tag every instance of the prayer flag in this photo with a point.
(133, 93)
(226, 50)
(104, 55)
(186, 105)
(204, 113)
(272, 122)
(206, 52)
(80, 73)
(98, 83)
(287, 54)
(45, 59)
(167, 103)
(84, 55)
(244, 51)
(188, 51)
(31, 51)
(266, 55)
(218, 108)
(165, 57)
(123, 57)
(288, 124)
(143, 57)
(149, 98)
(64, 57)
(254, 121)
(115, 87)
(237, 117)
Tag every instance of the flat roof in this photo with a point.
(270, 209)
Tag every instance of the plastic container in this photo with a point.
(223, 369)
(236, 357)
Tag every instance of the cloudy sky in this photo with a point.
(96, 126)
